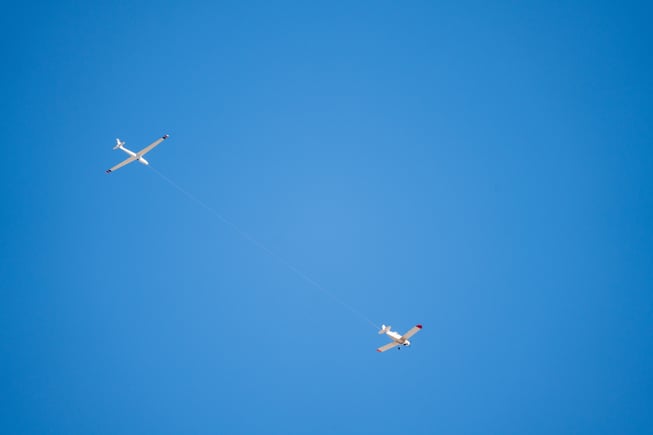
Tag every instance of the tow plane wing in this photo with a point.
(387, 346)
(412, 331)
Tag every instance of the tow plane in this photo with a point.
(397, 339)
(134, 156)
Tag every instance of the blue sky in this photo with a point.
(484, 170)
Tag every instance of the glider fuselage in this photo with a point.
(140, 159)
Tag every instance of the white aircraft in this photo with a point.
(135, 156)
(397, 339)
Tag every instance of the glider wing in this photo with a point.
(121, 164)
(148, 148)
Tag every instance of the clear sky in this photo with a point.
(482, 169)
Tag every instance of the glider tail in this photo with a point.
(119, 144)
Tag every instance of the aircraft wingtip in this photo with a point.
(165, 136)
(378, 350)
(108, 171)
(419, 326)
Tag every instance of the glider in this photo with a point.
(397, 339)
(135, 156)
